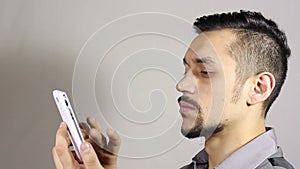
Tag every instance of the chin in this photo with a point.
(190, 135)
(191, 131)
(200, 131)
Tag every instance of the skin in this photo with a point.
(238, 122)
(226, 127)
(96, 152)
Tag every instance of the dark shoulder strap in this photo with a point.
(281, 162)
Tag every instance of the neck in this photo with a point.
(220, 145)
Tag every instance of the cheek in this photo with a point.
(230, 84)
(232, 115)
(204, 94)
(233, 109)
(212, 97)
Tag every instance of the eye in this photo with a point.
(207, 74)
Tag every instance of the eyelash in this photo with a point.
(206, 74)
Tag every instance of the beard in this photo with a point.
(199, 129)
(195, 131)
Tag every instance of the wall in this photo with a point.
(56, 44)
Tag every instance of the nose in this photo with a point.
(186, 84)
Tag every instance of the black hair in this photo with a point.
(259, 46)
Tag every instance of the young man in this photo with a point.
(234, 71)
(248, 54)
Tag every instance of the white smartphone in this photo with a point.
(69, 117)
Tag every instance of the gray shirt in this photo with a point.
(253, 155)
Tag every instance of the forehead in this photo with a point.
(211, 45)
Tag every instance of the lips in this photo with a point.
(185, 107)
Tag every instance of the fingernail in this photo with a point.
(61, 125)
(85, 147)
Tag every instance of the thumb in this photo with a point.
(89, 157)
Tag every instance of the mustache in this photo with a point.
(189, 101)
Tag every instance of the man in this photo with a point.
(234, 70)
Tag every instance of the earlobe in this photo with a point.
(263, 85)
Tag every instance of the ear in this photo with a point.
(261, 88)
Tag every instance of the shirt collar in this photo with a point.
(247, 157)
(201, 158)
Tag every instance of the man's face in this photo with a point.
(207, 85)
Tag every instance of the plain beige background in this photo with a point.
(40, 41)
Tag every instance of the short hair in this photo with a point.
(259, 46)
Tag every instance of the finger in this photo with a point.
(95, 133)
(85, 127)
(61, 136)
(84, 134)
(65, 157)
(114, 141)
(57, 162)
(98, 138)
(61, 149)
(89, 156)
(93, 124)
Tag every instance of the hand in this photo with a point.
(106, 151)
(63, 158)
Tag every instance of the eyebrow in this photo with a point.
(206, 60)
